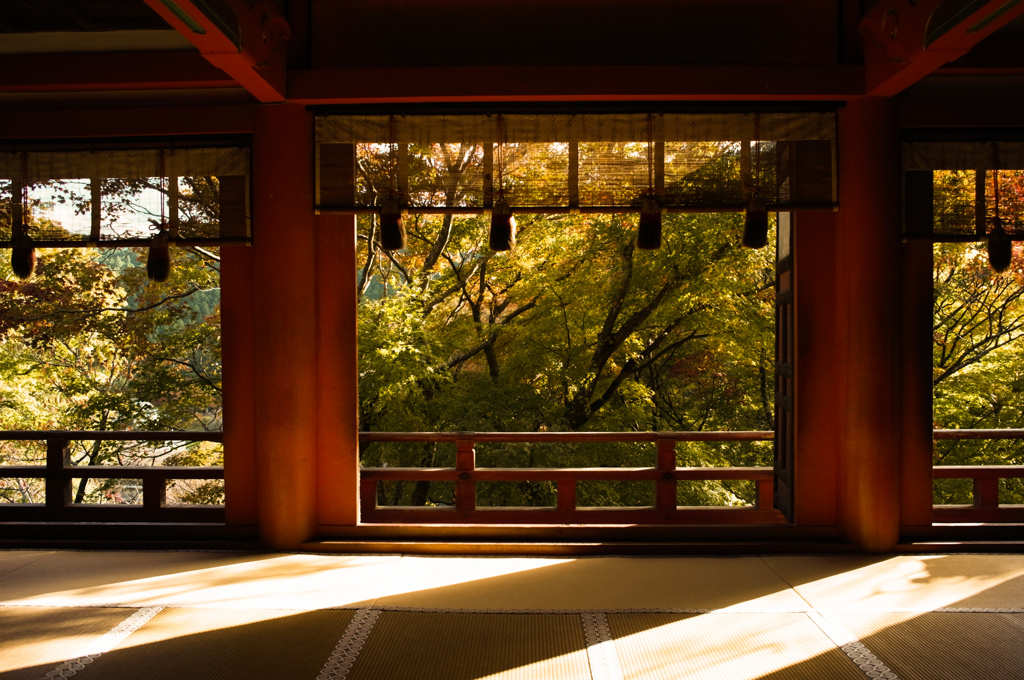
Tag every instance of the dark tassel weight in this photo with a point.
(392, 228)
(158, 260)
(23, 258)
(503, 228)
(1000, 248)
(648, 233)
(755, 224)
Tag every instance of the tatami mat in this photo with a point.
(726, 646)
(272, 581)
(944, 645)
(593, 583)
(428, 646)
(904, 583)
(33, 640)
(228, 615)
(208, 644)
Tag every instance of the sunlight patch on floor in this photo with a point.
(905, 583)
(729, 646)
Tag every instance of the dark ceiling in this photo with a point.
(35, 16)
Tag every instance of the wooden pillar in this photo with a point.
(916, 470)
(869, 328)
(285, 325)
(238, 361)
(818, 419)
(337, 371)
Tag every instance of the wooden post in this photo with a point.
(765, 490)
(284, 325)
(337, 385)
(869, 307)
(916, 466)
(465, 487)
(566, 495)
(665, 495)
(819, 396)
(238, 363)
(986, 493)
(368, 495)
(154, 494)
(58, 484)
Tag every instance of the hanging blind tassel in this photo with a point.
(392, 228)
(755, 223)
(503, 227)
(1000, 248)
(23, 257)
(648, 233)
(158, 261)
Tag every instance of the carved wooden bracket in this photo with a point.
(247, 39)
(905, 40)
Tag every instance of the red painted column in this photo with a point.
(819, 418)
(916, 471)
(338, 372)
(869, 324)
(285, 325)
(238, 362)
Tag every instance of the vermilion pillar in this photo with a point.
(337, 374)
(238, 362)
(868, 341)
(819, 420)
(284, 325)
(916, 469)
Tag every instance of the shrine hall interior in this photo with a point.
(853, 450)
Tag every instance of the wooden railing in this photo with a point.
(664, 476)
(986, 507)
(58, 475)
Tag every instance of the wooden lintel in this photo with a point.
(84, 122)
(904, 41)
(248, 41)
(113, 71)
(576, 83)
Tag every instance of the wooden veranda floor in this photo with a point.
(223, 615)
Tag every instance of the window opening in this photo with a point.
(956, 194)
(89, 344)
(575, 330)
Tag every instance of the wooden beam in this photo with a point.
(575, 83)
(247, 40)
(905, 41)
(109, 71)
(140, 121)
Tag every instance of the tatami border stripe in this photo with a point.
(851, 646)
(977, 610)
(351, 643)
(104, 644)
(455, 610)
(604, 660)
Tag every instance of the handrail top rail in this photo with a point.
(979, 434)
(113, 435)
(581, 437)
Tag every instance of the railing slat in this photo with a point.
(666, 497)
(465, 464)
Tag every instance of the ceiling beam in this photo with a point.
(246, 39)
(906, 40)
(110, 71)
(157, 121)
(575, 83)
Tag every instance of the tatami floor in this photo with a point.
(225, 615)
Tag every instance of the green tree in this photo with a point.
(575, 329)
